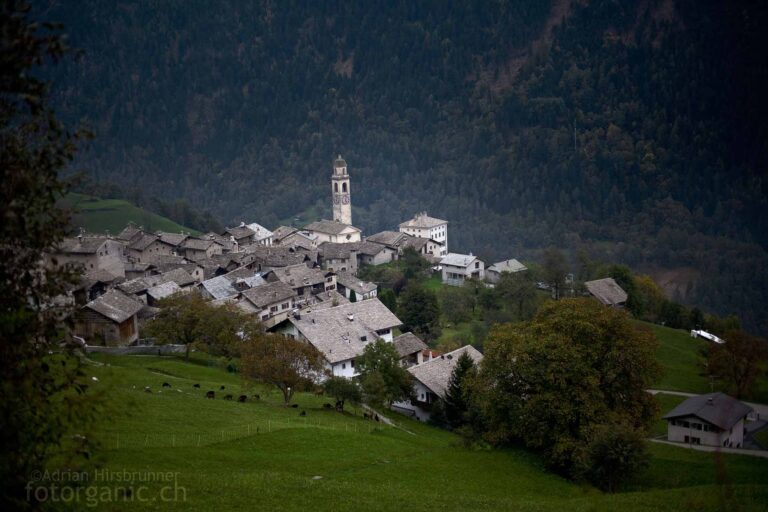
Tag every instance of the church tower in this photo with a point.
(342, 202)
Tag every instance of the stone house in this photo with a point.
(348, 285)
(271, 302)
(410, 348)
(493, 273)
(91, 253)
(195, 249)
(111, 319)
(145, 247)
(306, 281)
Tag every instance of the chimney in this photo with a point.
(351, 317)
(710, 401)
(242, 224)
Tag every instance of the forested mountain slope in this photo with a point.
(634, 130)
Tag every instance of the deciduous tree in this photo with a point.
(384, 379)
(738, 362)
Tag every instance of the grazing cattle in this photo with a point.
(210, 394)
(242, 399)
(257, 397)
(222, 388)
(196, 386)
(227, 397)
(303, 413)
(166, 385)
(147, 389)
(327, 406)
(376, 417)
(366, 416)
(339, 405)
(295, 406)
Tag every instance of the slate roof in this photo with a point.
(408, 343)
(240, 232)
(607, 291)
(174, 239)
(299, 239)
(330, 227)
(197, 244)
(282, 232)
(341, 251)
(457, 260)
(142, 242)
(279, 256)
(299, 275)
(507, 266)
(99, 275)
(347, 280)
(115, 305)
(422, 220)
(270, 293)
(260, 232)
(417, 243)
(389, 238)
(717, 409)
(180, 276)
(163, 290)
(129, 233)
(221, 287)
(342, 332)
(436, 374)
(222, 240)
(82, 244)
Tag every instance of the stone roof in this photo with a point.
(223, 240)
(607, 291)
(341, 251)
(239, 232)
(347, 280)
(163, 290)
(299, 275)
(282, 232)
(179, 276)
(270, 293)
(165, 259)
(342, 332)
(82, 244)
(507, 266)
(197, 244)
(329, 227)
(408, 343)
(300, 239)
(174, 239)
(436, 374)
(99, 275)
(115, 305)
(457, 260)
(389, 238)
(260, 232)
(129, 233)
(279, 256)
(417, 243)
(142, 242)
(221, 287)
(422, 220)
(717, 409)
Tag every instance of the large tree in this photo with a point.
(383, 378)
(457, 395)
(551, 382)
(420, 311)
(738, 362)
(343, 390)
(45, 398)
(285, 363)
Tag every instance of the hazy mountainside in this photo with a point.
(634, 130)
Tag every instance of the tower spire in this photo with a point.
(341, 192)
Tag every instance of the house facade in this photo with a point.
(92, 253)
(111, 319)
(714, 419)
(270, 302)
(424, 226)
(493, 273)
(457, 268)
(333, 231)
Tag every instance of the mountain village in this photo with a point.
(302, 283)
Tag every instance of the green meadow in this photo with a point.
(261, 455)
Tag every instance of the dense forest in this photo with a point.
(633, 131)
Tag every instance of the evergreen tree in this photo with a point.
(456, 402)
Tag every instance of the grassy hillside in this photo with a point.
(101, 215)
(224, 463)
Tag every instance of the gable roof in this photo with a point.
(718, 409)
(174, 239)
(82, 244)
(388, 238)
(259, 231)
(129, 233)
(299, 275)
(422, 220)
(280, 256)
(282, 232)
(458, 260)
(142, 242)
(115, 306)
(163, 290)
(408, 343)
(239, 232)
(607, 291)
(507, 266)
(197, 244)
(436, 373)
(329, 227)
(270, 293)
(347, 280)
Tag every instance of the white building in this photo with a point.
(348, 285)
(341, 192)
(333, 231)
(424, 226)
(493, 273)
(341, 333)
(431, 380)
(457, 268)
(714, 419)
(261, 235)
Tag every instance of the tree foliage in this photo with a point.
(738, 362)
(457, 396)
(384, 380)
(550, 383)
(343, 390)
(420, 312)
(287, 364)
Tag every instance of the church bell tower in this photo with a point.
(342, 202)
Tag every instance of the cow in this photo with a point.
(257, 397)
(303, 413)
(196, 386)
(228, 397)
(166, 385)
(327, 406)
(222, 388)
(210, 394)
(295, 406)
(242, 399)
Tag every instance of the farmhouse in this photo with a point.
(341, 333)
(196, 249)
(410, 348)
(493, 273)
(110, 319)
(333, 231)
(457, 268)
(241, 235)
(424, 226)
(92, 253)
(304, 280)
(431, 379)
(143, 248)
(714, 419)
(430, 249)
(349, 286)
(271, 302)
(607, 291)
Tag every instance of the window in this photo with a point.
(352, 363)
(343, 366)
(284, 306)
(335, 187)
(273, 309)
(344, 187)
(477, 264)
(265, 317)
